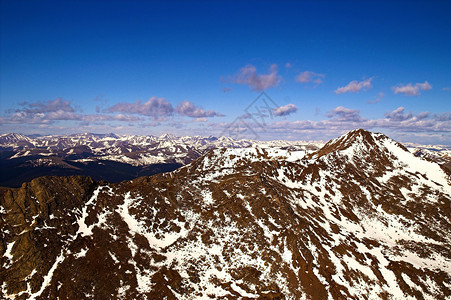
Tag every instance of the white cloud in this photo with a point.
(344, 114)
(377, 99)
(355, 86)
(42, 112)
(116, 117)
(200, 120)
(424, 86)
(309, 76)
(187, 108)
(285, 110)
(339, 120)
(156, 108)
(258, 82)
(398, 115)
(55, 111)
(412, 90)
(50, 106)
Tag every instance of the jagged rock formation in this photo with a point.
(360, 218)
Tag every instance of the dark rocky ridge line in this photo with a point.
(352, 220)
(15, 173)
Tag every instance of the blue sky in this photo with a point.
(188, 68)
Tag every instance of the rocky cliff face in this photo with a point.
(360, 218)
(37, 223)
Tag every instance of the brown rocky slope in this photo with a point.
(360, 218)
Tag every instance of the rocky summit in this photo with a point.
(360, 218)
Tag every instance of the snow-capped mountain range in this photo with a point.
(115, 158)
(105, 144)
(108, 156)
(360, 218)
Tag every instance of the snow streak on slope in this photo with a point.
(360, 218)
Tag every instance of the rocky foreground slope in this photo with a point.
(360, 218)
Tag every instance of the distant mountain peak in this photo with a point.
(360, 140)
(167, 136)
(13, 136)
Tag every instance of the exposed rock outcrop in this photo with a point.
(360, 218)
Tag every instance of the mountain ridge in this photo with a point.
(106, 156)
(258, 222)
